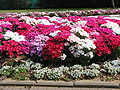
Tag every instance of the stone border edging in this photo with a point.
(97, 84)
(88, 84)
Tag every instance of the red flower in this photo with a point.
(53, 49)
(14, 49)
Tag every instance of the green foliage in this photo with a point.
(20, 73)
(6, 71)
(36, 71)
(18, 4)
(77, 3)
(23, 4)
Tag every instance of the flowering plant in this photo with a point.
(62, 13)
(57, 37)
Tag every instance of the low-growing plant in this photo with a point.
(20, 73)
(27, 69)
(54, 74)
(91, 73)
(6, 71)
(112, 68)
(76, 67)
(94, 66)
(76, 74)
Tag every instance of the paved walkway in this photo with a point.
(50, 88)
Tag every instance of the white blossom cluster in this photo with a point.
(44, 21)
(33, 21)
(54, 74)
(114, 26)
(40, 74)
(64, 69)
(5, 70)
(76, 71)
(73, 72)
(85, 48)
(81, 23)
(50, 74)
(112, 68)
(14, 36)
(91, 73)
(36, 66)
(58, 19)
(94, 66)
(5, 23)
(76, 67)
(30, 21)
(55, 33)
(83, 45)
(79, 31)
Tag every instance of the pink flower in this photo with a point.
(14, 49)
(1, 36)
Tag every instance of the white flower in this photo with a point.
(90, 54)
(84, 47)
(53, 18)
(55, 33)
(14, 36)
(67, 44)
(5, 22)
(7, 67)
(79, 30)
(73, 38)
(63, 57)
(58, 19)
(116, 30)
(113, 18)
(8, 35)
(29, 20)
(81, 23)
(89, 44)
(114, 26)
(44, 21)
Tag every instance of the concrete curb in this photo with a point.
(96, 84)
(88, 84)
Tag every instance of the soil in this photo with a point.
(114, 79)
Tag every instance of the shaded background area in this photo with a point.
(49, 4)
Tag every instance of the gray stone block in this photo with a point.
(96, 84)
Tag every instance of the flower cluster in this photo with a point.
(15, 49)
(62, 13)
(53, 38)
(112, 68)
(37, 71)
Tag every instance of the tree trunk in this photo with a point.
(113, 3)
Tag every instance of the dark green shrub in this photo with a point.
(18, 4)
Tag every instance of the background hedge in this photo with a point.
(23, 4)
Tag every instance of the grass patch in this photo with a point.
(48, 10)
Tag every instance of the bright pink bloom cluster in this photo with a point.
(106, 43)
(55, 46)
(14, 49)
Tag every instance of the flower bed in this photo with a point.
(53, 38)
(35, 71)
(74, 39)
(64, 13)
